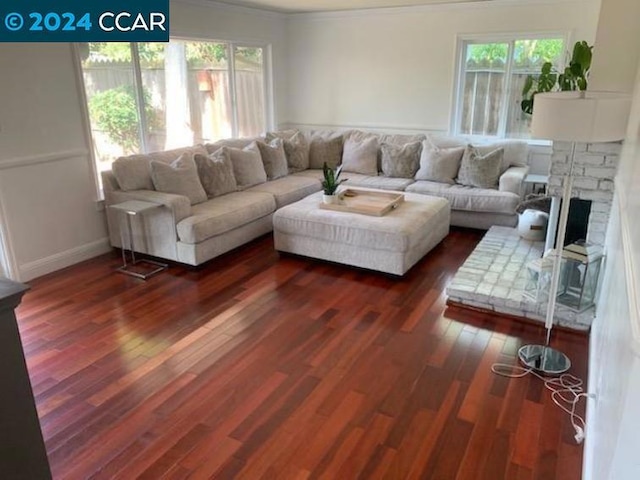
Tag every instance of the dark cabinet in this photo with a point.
(22, 451)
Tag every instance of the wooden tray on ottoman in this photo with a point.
(365, 202)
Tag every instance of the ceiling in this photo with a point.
(294, 6)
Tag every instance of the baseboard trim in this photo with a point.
(52, 263)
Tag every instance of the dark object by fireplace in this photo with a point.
(578, 223)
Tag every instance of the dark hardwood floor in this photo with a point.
(259, 366)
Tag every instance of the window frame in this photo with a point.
(267, 86)
(457, 104)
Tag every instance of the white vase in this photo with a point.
(329, 199)
(532, 225)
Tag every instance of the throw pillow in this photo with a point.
(134, 171)
(216, 172)
(477, 170)
(325, 150)
(361, 156)
(247, 166)
(439, 164)
(400, 161)
(515, 152)
(179, 177)
(273, 158)
(296, 148)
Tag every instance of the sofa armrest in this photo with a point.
(178, 204)
(156, 232)
(512, 180)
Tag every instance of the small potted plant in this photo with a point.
(331, 183)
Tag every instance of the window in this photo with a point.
(491, 75)
(145, 97)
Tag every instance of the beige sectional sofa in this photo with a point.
(194, 233)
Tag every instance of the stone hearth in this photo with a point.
(494, 277)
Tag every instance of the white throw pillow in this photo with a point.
(360, 156)
(325, 148)
(274, 158)
(515, 152)
(216, 172)
(296, 147)
(439, 164)
(400, 161)
(482, 171)
(179, 177)
(247, 166)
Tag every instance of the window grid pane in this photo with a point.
(108, 75)
(528, 57)
(249, 75)
(492, 82)
(186, 95)
(484, 86)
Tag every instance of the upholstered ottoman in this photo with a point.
(392, 243)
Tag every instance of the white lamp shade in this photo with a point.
(588, 117)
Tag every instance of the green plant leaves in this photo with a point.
(528, 85)
(574, 77)
(331, 183)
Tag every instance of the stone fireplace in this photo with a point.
(494, 276)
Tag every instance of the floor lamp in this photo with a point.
(576, 117)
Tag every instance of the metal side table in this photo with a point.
(130, 209)
(538, 182)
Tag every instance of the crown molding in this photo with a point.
(260, 12)
(428, 8)
(360, 12)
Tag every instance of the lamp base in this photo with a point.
(544, 360)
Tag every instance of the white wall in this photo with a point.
(613, 418)
(48, 212)
(395, 68)
(47, 194)
(617, 48)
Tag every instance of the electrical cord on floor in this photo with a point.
(566, 391)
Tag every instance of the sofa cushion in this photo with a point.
(478, 170)
(400, 161)
(288, 189)
(216, 173)
(398, 231)
(247, 166)
(360, 156)
(134, 172)
(515, 151)
(232, 142)
(179, 177)
(296, 148)
(439, 164)
(312, 173)
(393, 139)
(469, 198)
(379, 182)
(325, 148)
(222, 214)
(273, 158)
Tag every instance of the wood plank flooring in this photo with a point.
(258, 366)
